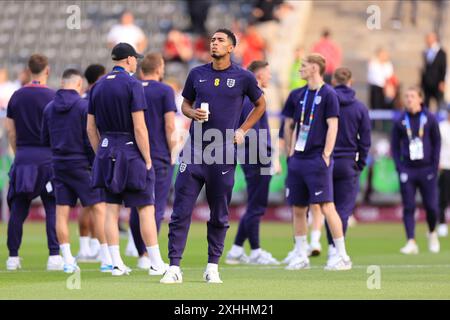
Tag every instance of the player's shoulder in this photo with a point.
(431, 117)
(201, 68)
(82, 104)
(297, 93)
(361, 107)
(399, 118)
(327, 91)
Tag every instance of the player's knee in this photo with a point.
(328, 208)
(300, 211)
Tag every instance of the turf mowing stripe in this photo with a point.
(394, 266)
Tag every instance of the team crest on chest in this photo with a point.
(183, 167)
(231, 83)
(318, 100)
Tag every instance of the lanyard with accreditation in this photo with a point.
(304, 129)
(415, 143)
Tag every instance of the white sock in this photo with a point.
(236, 250)
(130, 238)
(94, 245)
(105, 256)
(315, 236)
(115, 256)
(255, 253)
(155, 256)
(331, 250)
(175, 269)
(301, 244)
(84, 245)
(340, 247)
(212, 267)
(66, 253)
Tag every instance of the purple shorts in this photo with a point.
(120, 170)
(72, 181)
(137, 198)
(309, 181)
(31, 173)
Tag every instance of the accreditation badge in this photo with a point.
(416, 149)
(302, 138)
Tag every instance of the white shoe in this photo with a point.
(144, 263)
(339, 264)
(442, 230)
(55, 263)
(433, 242)
(410, 248)
(13, 263)
(84, 257)
(158, 271)
(332, 255)
(212, 276)
(171, 277)
(314, 249)
(291, 255)
(120, 271)
(264, 258)
(236, 259)
(71, 268)
(298, 263)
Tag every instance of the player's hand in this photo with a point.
(239, 136)
(277, 167)
(442, 86)
(326, 159)
(148, 165)
(199, 114)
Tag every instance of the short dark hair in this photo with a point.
(230, 35)
(94, 72)
(342, 76)
(257, 65)
(326, 33)
(37, 63)
(69, 73)
(151, 63)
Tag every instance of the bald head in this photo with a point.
(431, 38)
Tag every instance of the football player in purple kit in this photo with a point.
(89, 245)
(311, 127)
(416, 146)
(31, 172)
(350, 152)
(256, 164)
(213, 99)
(160, 119)
(64, 131)
(123, 166)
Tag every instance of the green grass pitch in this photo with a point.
(425, 276)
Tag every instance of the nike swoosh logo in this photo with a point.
(202, 80)
(131, 142)
(318, 193)
(225, 172)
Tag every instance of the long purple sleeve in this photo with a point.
(364, 141)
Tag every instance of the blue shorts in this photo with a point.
(309, 181)
(72, 181)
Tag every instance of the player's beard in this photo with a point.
(217, 56)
